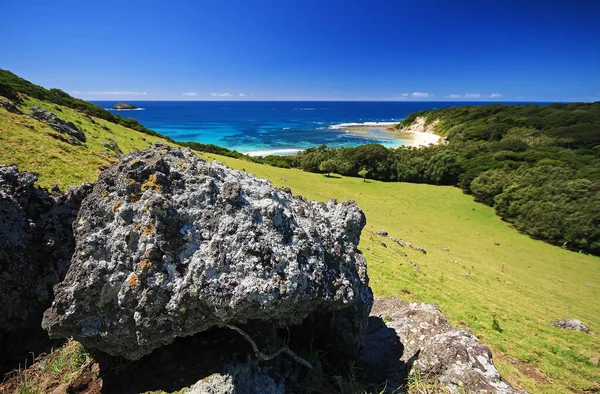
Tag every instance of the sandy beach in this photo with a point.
(417, 135)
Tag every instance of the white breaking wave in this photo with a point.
(134, 109)
(363, 124)
(281, 152)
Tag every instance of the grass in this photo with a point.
(504, 286)
(53, 373)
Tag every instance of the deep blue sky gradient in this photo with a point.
(530, 50)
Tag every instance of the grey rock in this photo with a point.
(414, 338)
(9, 106)
(571, 324)
(168, 245)
(36, 244)
(246, 378)
(382, 233)
(112, 145)
(58, 124)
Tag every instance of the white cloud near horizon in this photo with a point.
(421, 95)
(189, 94)
(115, 93)
(495, 95)
(454, 96)
(242, 95)
(473, 95)
(226, 94)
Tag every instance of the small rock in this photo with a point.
(571, 324)
(595, 361)
(382, 233)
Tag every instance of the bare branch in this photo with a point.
(267, 357)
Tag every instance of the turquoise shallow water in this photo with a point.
(272, 127)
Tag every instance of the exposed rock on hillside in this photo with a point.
(571, 324)
(58, 124)
(417, 339)
(9, 106)
(168, 245)
(124, 106)
(36, 244)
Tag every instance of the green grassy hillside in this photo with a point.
(35, 146)
(489, 271)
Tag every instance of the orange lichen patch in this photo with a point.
(117, 205)
(105, 194)
(147, 230)
(138, 225)
(151, 184)
(144, 264)
(130, 181)
(132, 280)
(134, 197)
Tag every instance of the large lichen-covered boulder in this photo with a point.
(168, 245)
(36, 244)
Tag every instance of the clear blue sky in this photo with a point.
(307, 49)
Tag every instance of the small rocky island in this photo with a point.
(124, 106)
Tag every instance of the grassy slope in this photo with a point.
(57, 162)
(518, 280)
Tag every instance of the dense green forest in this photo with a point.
(539, 166)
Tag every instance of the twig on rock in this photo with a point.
(267, 357)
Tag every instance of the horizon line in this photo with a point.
(350, 101)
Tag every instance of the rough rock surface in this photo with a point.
(571, 324)
(36, 244)
(246, 378)
(168, 245)
(58, 124)
(405, 338)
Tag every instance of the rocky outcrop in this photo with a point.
(571, 324)
(168, 245)
(59, 125)
(36, 244)
(9, 106)
(124, 106)
(413, 338)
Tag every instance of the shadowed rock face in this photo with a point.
(417, 338)
(36, 244)
(168, 245)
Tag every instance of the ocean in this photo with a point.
(279, 127)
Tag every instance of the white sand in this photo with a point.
(422, 138)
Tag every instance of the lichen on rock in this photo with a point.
(169, 245)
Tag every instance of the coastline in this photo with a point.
(417, 135)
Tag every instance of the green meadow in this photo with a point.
(477, 269)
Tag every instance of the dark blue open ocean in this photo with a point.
(271, 127)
